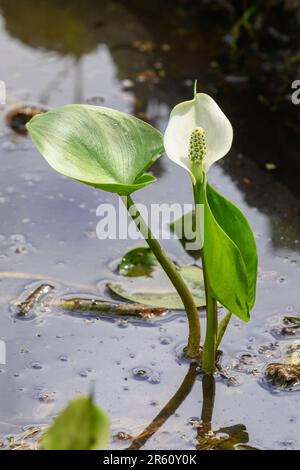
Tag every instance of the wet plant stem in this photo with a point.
(193, 346)
(210, 343)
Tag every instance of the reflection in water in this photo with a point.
(168, 410)
(157, 51)
(228, 438)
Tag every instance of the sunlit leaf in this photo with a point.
(230, 254)
(150, 285)
(98, 146)
(80, 426)
(138, 262)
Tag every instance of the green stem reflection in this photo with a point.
(168, 410)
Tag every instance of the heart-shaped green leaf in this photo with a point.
(101, 147)
(80, 426)
(150, 285)
(230, 253)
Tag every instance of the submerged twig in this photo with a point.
(80, 304)
(34, 297)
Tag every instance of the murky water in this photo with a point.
(52, 55)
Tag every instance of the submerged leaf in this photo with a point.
(158, 291)
(98, 146)
(80, 426)
(138, 262)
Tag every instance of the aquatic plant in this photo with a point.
(80, 414)
(112, 151)
(198, 134)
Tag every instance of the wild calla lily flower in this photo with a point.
(198, 132)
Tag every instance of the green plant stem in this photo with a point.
(222, 327)
(193, 346)
(210, 343)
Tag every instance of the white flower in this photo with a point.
(203, 113)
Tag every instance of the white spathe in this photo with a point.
(202, 111)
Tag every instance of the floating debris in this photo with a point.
(229, 438)
(248, 364)
(24, 308)
(286, 374)
(28, 440)
(122, 436)
(80, 304)
(18, 117)
(282, 375)
(288, 326)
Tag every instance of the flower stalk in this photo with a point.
(193, 347)
(210, 344)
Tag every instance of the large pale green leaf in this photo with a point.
(98, 146)
(230, 254)
(80, 426)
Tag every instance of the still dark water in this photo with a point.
(141, 62)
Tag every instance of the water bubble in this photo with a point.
(36, 365)
(142, 373)
(63, 358)
(165, 340)
(154, 378)
(46, 397)
(83, 373)
(281, 280)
